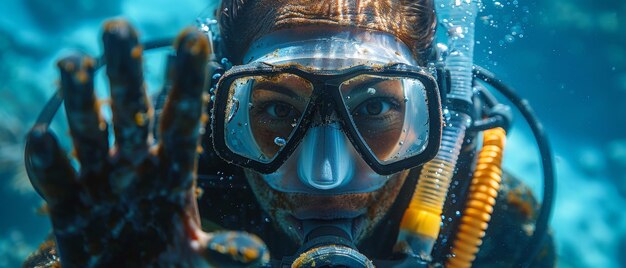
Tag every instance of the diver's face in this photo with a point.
(325, 179)
(289, 210)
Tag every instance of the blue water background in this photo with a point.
(566, 57)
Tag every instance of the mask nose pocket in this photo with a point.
(326, 161)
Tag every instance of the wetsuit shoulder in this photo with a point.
(511, 226)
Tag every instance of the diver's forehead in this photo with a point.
(329, 49)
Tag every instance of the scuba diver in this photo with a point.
(337, 134)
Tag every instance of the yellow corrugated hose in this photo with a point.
(422, 219)
(423, 215)
(481, 199)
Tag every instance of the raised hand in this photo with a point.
(133, 204)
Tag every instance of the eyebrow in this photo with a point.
(277, 88)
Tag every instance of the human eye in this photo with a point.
(374, 107)
(280, 110)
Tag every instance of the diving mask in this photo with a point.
(328, 124)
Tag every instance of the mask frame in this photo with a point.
(326, 92)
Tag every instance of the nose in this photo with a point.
(326, 161)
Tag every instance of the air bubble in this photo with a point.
(509, 38)
(280, 141)
(371, 91)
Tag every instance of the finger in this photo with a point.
(52, 175)
(180, 119)
(49, 169)
(88, 129)
(236, 249)
(130, 106)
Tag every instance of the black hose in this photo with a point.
(541, 226)
(48, 111)
(485, 95)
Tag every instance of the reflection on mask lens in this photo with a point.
(390, 114)
(263, 112)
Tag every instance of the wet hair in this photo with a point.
(244, 21)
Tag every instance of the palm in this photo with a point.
(133, 204)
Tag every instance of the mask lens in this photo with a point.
(390, 115)
(262, 113)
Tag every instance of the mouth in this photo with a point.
(350, 221)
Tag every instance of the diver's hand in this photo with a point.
(133, 205)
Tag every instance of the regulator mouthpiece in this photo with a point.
(329, 244)
(332, 256)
